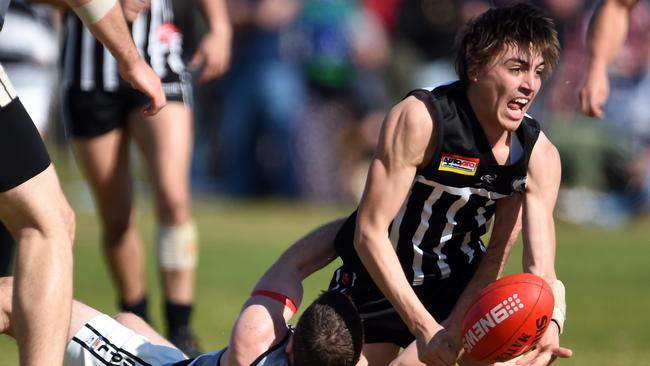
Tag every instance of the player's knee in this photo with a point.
(116, 227)
(174, 206)
(6, 293)
(69, 221)
(177, 246)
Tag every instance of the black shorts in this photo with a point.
(22, 152)
(381, 322)
(95, 112)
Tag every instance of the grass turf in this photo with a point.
(606, 274)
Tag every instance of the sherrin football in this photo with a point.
(507, 318)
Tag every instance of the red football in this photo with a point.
(507, 318)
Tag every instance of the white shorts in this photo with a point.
(104, 341)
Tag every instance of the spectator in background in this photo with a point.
(587, 148)
(102, 120)
(619, 55)
(343, 50)
(261, 96)
(423, 40)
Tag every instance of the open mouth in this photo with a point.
(518, 103)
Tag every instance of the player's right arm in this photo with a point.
(110, 28)
(405, 143)
(262, 321)
(607, 32)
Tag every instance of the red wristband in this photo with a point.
(284, 299)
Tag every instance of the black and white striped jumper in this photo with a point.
(437, 232)
(88, 65)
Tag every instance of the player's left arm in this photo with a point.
(213, 52)
(542, 188)
(263, 319)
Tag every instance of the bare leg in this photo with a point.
(105, 162)
(166, 143)
(40, 219)
(81, 314)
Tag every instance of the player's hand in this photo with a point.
(143, 78)
(212, 55)
(547, 349)
(594, 93)
(438, 350)
(132, 8)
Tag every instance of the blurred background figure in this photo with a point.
(423, 41)
(603, 163)
(29, 52)
(617, 87)
(258, 101)
(343, 49)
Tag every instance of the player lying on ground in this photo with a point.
(328, 333)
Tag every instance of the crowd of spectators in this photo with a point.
(298, 112)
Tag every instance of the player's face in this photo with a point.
(507, 86)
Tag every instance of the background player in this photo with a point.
(102, 120)
(32, 205)
(448, 163)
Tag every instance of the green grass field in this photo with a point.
(606, 274)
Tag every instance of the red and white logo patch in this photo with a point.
(458, 164)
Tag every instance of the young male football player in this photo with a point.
(451, 162)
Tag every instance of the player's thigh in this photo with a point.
(166, 144)
(164, 139)
(138, 325)
(378, 354)
(104, 160)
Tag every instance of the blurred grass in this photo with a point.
(606, 272)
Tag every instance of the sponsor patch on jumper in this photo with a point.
(458, 164)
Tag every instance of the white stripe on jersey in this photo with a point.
(418, 274)
(70, 47)
(139, 32)
(156, 49)
(448, 231)
(461, 191)
(87, 60)
(7, 91)
(111, 81)
(469, 252)
(464, 194)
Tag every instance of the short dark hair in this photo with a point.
(329, 333)
(521, 25)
